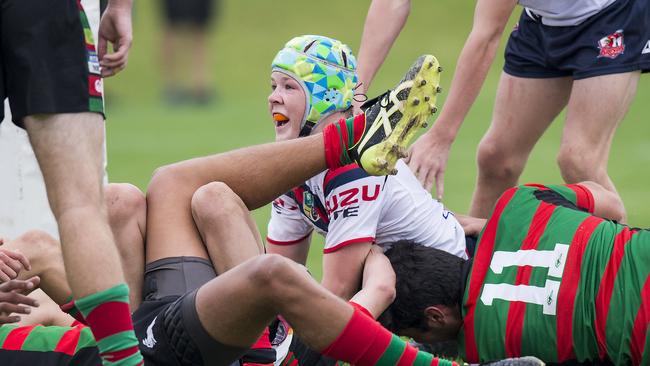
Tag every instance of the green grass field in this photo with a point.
(144, 134)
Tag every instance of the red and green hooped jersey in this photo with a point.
(48, 345)
(556, 282)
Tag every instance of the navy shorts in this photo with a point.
(616, 40)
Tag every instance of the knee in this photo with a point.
(496, 162)
(125, 202)
(42, 244)
(273, 274)
(166, 180)
(578, 164)
(215, 202)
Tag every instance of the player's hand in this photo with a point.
(427, 158)
(11, 263)
(14, 299)
(115, 28)
(472, 226)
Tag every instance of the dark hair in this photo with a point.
(425, 276)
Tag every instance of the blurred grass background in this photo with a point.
(143, 133)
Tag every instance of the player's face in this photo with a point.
(287, 103)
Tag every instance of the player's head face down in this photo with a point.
(428, 293)
(325, 70)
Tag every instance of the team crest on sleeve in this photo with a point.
(612, 45)
(308, 206)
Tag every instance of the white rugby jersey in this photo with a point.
(559, 13)
(349, 206)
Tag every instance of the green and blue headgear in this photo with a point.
(326, 70)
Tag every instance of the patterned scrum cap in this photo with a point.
(325, 68)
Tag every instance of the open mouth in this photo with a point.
(280, 119)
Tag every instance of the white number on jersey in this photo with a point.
(546, 296)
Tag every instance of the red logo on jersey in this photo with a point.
(612, 45)
(351, 196)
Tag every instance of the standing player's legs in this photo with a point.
(523, 109)
(596, 107)
(55, 92)
(69, 150)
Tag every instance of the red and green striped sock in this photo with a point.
(339, 137)
(107, 314)
(70, 308)
(364, 342)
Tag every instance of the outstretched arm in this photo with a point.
(428, 155)
(384, 22)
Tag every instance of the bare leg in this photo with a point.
(264, 287)
(226, 226)
(126, 210)
(596, 108)
(169, 213)
(47, 313)
(202, 78)
(168, 50)
(44, 255)
(68, 148)
(127, 214)
(523, 109)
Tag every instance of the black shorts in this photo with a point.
(166, 323)
(169, 332)
(48, 60)
(197, 13)
(616, 40)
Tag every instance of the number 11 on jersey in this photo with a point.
(546, 296)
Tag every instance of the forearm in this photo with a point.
(383, 24)
(473, 65)
(378, 289)
(375, 299)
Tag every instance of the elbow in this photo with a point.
(387, 293)
(607, 204)
(615, 210)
